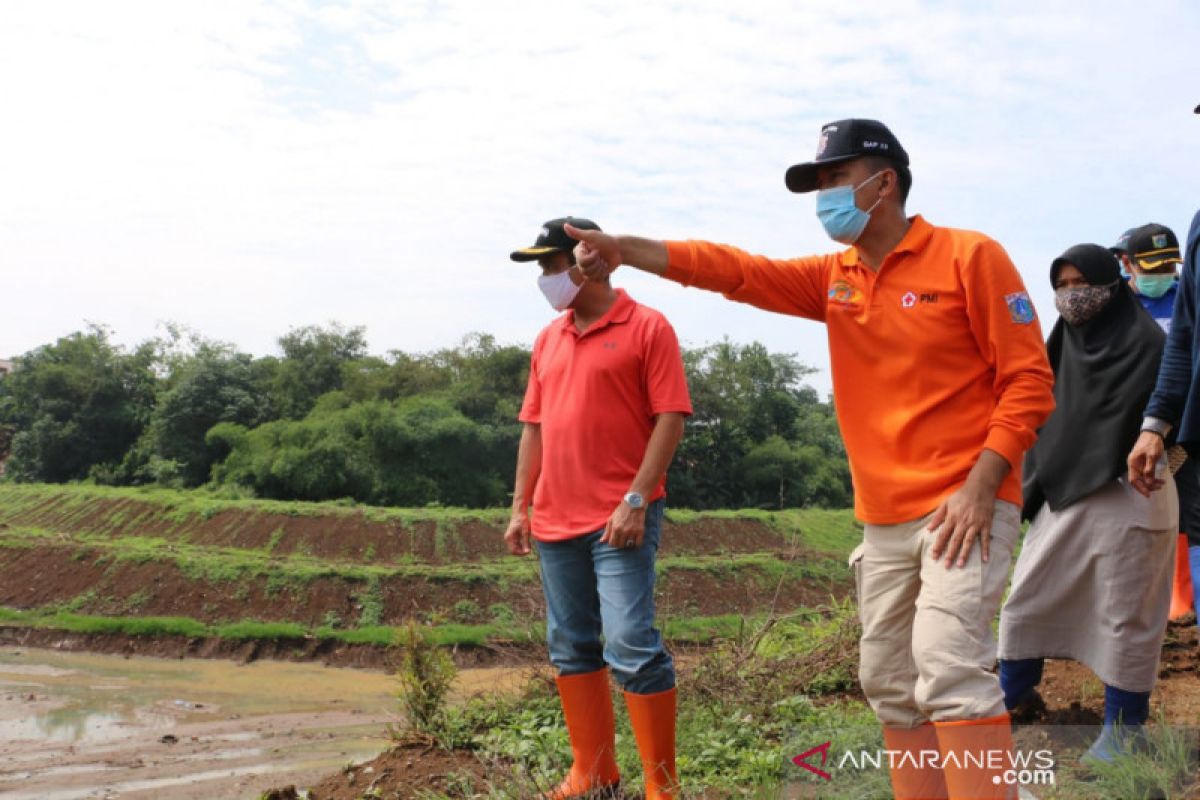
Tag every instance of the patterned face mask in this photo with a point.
(1079, 304)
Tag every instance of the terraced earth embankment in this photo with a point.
(188, 573)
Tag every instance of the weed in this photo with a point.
(425, 674)
(79, 601)
(465, 611)
(1090, 689)
(372, 603)
(502, 613)
(137, 600)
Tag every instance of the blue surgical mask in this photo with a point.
(844, 221)
(1153, 285)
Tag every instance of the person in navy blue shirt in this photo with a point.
(1174, 409)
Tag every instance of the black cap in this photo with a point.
(1122, 245)
(1154, 248)
(553, 239)
(842, 141)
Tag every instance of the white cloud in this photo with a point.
(246, 167)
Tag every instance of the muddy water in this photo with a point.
(75, 725)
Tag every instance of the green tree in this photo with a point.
(793, 474)
(77, 406)
(487, 380)
(216, 385)
(314, 362)
(756, 425)
(418, 451)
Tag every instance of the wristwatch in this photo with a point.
(1158, 426)
(634, 500)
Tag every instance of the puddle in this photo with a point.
(85, 725)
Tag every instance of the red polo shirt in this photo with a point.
(595, 395)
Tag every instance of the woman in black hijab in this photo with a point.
(1093, 579)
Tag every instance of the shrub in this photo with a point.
(425, 674)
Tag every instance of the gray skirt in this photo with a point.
(1093, 583)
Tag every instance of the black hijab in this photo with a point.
(1104, 372)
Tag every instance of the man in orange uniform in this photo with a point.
(941, 382)
(596, 481)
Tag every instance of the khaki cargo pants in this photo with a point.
(927, 648)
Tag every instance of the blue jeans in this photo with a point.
(592, 589)
(1194, 563)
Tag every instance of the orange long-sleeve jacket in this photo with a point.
(935, 356)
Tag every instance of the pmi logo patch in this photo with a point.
(845, 295)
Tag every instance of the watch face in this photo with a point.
(634, 500)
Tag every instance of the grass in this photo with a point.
(249, 629)
(216, 564)
(449, 635)
(748, 706)
(128, 626)
(74, 501)
(111, 527)
(740, 719)
(119, 510)
(1165, 765)
(833, 531)
(682, 630)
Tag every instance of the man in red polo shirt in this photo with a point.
(596, 482)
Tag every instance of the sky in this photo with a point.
(244, 167)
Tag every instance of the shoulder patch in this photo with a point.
(1020, 307)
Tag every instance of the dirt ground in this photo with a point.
(353, 536)
(419, 766)
(432, 565)
(325, 651)
(302, 754)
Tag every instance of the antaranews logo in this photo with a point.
(1017, 767)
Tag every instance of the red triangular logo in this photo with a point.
(802, 760)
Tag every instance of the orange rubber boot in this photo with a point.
(916, 774)
(587, 707)
(652, 717)
(967, 747)
(1181, 589)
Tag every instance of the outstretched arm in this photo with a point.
(599, 253)
(793, 286)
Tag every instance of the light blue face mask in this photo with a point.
(1153, 285)
(844, 221)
